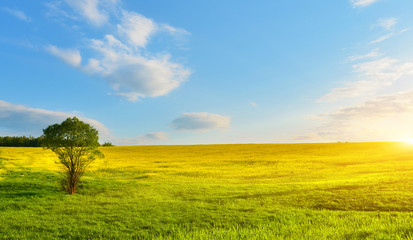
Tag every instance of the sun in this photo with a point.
(409, 141)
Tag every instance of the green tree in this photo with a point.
(76, 146)
(107, 144)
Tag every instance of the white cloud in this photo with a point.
(121, 57)
(379, 107)
(173, 30)
(89, 9)
(55, 10)
(386, 23)
(387, 117)
(150, 138)
(382, 38)
(20, 120)
(389, 35)
(363, 3)
(403, 30)
(200, 122)
(70, 56)
(132, 75)
(374, 76)
(136, 28)
(17, 13)
(372, 54)
(253, 104)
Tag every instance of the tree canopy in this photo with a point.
(76, 146)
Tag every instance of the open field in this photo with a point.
(254, 191)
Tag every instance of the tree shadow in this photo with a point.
(21, 184)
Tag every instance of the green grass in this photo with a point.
(263, 191)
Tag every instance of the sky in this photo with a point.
(209, 72)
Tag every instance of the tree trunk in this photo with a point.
(71, 183)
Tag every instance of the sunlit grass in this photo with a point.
(261, 191)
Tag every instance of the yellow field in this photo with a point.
(329, 165)
(243, 162)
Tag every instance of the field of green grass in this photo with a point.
(245, 191)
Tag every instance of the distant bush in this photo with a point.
(24, 141)
(107, 144)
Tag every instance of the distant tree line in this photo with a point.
(24, 141)
(107, 144)
(20, 141)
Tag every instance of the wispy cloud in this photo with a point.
(94, 12)
(17, 13)
(389, 27)
(55, 10)
(70, 56)
(253, 104)
(173, 30)
(21, 120)
(388, 35)
(89, 9)
(379, 118)
(201, 122)
(386, 23)
(372, 54)
(150, 138)
(387, 117)
(374, 75)
(362, 3)
(121, 57)
(382, 38)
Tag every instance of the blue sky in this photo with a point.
(192, 72)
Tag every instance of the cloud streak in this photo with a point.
(387, 117)
(382, 38)
(69, 56)
(362, 3)
(389, 26)
(150, 138)
(374, 75)
(17, 13)
(386, 23)
(374, 53)
(201, 122)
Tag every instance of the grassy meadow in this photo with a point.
(241, 191)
